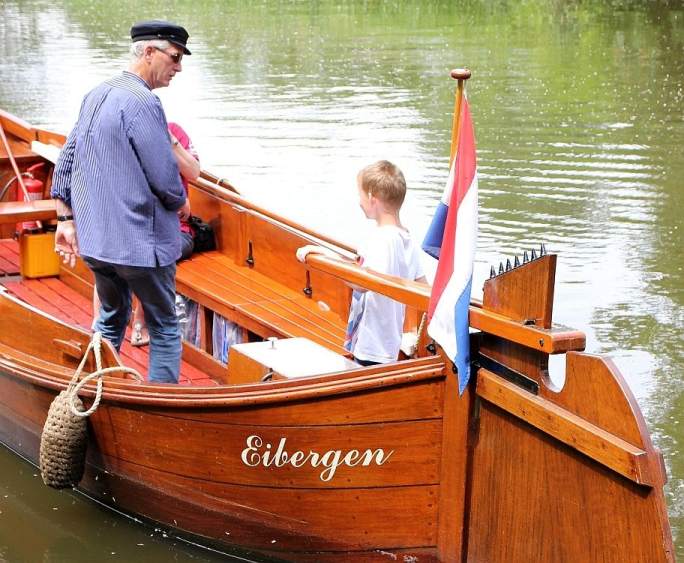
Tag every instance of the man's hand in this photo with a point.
(184, 212)
(66, 242)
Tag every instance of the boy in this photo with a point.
(376, 322)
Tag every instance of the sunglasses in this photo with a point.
(175, 57)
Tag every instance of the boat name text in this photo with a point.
(257, 453)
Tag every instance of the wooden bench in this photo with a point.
(257, 302)
(242, 295)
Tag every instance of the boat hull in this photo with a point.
(195, 469)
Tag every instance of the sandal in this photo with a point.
(137, 337)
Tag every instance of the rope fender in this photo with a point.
(64, 439)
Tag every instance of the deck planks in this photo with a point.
(9, 257)
(59, 300)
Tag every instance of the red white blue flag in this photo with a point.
(452, 238)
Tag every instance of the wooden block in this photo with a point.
(287, 358)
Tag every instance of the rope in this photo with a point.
(3, 191)
(64, 439)
(75, 385)
(422, 328)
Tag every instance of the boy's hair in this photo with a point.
(385, 181)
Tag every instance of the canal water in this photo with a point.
(578, 113)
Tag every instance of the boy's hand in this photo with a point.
(308, 249)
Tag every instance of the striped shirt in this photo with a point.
(118, 174)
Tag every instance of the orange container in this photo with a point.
(38, 256)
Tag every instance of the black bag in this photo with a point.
(202, 234)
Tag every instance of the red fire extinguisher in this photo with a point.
(34, 191)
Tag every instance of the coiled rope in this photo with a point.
(64, 438)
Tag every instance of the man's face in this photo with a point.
(164, 65)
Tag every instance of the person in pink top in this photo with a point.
(188, 164)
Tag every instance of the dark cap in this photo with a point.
(157, 29)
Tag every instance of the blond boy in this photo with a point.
(376, 322)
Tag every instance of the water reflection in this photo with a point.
(41, 524)
(577, 108)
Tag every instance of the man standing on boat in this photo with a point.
(119, 195)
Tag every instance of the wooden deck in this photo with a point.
(9, 257)
(59, 300)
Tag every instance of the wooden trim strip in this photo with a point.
(16, 211)
(552, 341)
(573, 431)
(17, 127)
(52, 376)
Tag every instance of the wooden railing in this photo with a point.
(555, 340)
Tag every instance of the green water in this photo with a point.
(578, 111)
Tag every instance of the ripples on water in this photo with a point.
(577, 109)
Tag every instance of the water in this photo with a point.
(577, 108)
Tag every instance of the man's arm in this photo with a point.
(66, 243)
(149, 136)
(61, 177)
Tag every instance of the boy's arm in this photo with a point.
(303, 251)
(314, 249)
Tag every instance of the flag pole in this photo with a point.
(460, 74)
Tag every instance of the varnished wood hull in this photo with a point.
(182, 466)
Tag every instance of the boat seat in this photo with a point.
(256, 302)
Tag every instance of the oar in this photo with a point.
(13, 162)
(15, 167)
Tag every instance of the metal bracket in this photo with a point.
(308, 290)
(250, 256)
(515, 377)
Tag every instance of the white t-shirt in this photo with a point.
(376, 322)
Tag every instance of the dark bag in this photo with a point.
(202, 234)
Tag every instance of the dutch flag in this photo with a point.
(452, 238)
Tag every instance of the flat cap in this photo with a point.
(158, 29)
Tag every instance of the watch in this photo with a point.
(61, 218)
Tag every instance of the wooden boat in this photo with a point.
(328, 461)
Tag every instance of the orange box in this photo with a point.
(38, 258)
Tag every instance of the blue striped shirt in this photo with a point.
(118, 174)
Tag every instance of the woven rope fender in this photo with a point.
(63, 444)
(64, 439)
